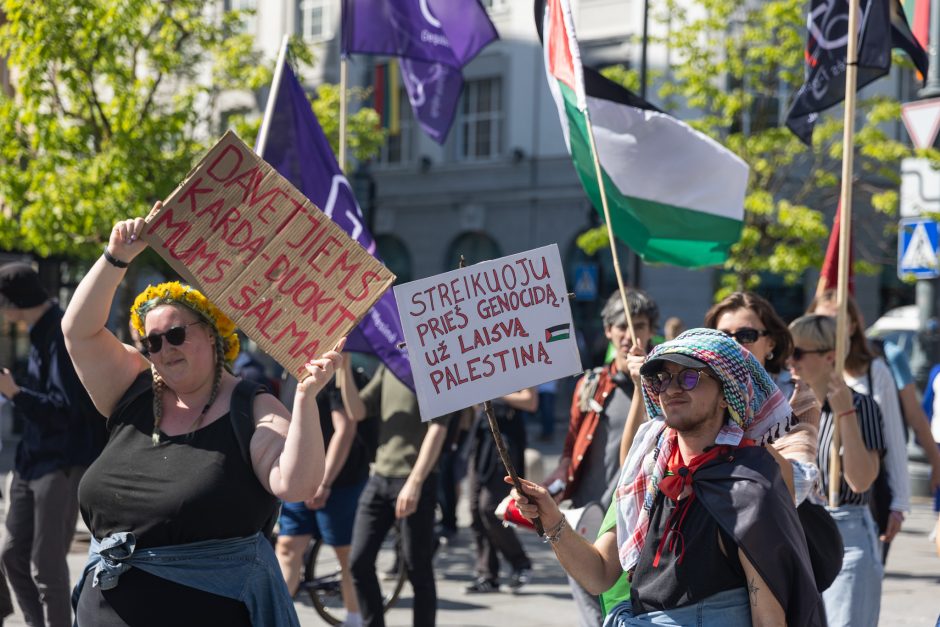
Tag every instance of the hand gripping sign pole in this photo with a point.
(501, 447)
(845, 240)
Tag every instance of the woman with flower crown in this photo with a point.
(175, 510)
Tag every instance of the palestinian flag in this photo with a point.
(675, 195)
(557, 332)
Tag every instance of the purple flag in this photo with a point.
(434, 92)
(434, 39)
(298, 149)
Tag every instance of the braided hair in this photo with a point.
(159, 386)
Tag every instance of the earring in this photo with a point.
(770, 355)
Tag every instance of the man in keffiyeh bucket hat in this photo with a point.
(703, 523)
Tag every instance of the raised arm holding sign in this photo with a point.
(178, 475)
(197, 460)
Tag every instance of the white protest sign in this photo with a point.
(477, 333)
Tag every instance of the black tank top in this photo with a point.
(704, 570)
(188, 488)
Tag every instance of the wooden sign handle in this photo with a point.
(504, 455)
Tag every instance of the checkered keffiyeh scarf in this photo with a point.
(757, 409)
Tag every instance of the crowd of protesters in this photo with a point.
(708, 449)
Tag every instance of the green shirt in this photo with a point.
(400, 428)
(620, 591)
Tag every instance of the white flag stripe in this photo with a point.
(656, 157)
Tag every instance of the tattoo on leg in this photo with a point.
(752, 591)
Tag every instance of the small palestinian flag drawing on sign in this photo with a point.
(557, 332)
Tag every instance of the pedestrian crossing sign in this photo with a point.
(585, 281)
(917, 249)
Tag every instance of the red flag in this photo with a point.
(919, 12)
(829, 273)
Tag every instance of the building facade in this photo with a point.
(503, 182)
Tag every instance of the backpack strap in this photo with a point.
(588, 391)
(241, 413)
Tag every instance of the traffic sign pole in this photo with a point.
(926, 294)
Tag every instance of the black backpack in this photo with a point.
(824, 541)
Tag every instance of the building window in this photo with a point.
(230, 118)
(316, 22)
(249, 13)
(787, 300)
(475, 247)
(395, 256)
(391, 103)
(480, 125)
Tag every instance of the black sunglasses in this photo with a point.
(174, 335)
(799, 353)
(747, 335)
(687, 379)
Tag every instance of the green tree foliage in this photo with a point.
(731, 63)
(113, 102)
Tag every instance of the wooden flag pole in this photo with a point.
(610, 228)
(272, 97)
(845, 230)
(343, 80)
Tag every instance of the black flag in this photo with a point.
(882, 26)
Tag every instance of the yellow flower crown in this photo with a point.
(175, 292)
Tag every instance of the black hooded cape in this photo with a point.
(744, 491)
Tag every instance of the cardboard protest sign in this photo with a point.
(289, 277)
(480, 332)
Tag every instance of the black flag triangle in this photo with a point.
(882, 26)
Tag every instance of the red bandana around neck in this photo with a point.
(673, 484)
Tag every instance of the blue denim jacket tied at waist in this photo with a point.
(244, 569)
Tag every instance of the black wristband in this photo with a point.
(114, 261)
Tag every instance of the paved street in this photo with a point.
(911, 593)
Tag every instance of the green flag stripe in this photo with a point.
(660, 233)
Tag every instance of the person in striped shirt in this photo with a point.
(854, 598)
(868, 371)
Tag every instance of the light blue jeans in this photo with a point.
(731, 608)
(854, 598)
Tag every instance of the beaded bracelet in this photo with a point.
(553, 535)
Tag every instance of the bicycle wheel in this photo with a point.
(322, 575)
(321, 580)
(394, 571)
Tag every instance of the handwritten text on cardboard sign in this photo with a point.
(289, 277)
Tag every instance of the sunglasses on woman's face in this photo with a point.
(174, 335)
(799, 353)
(687, 379)
(747, 335)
